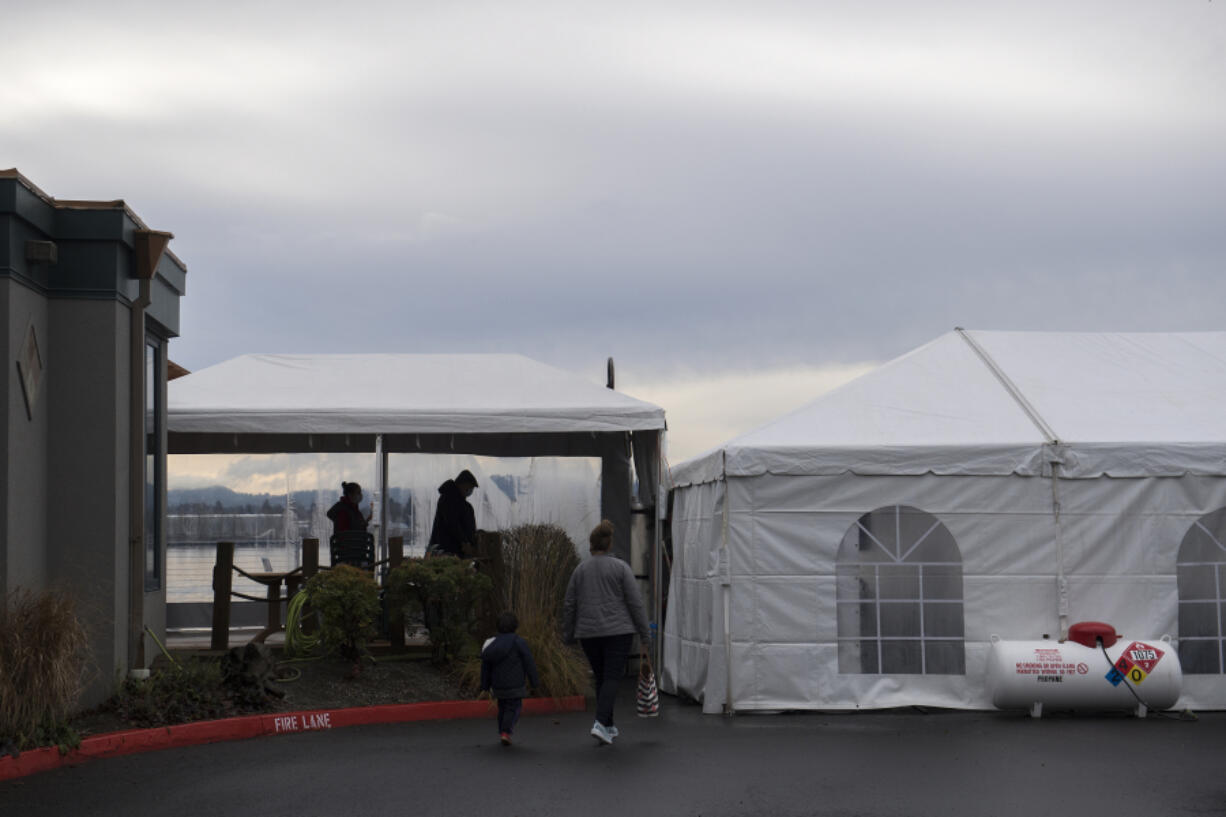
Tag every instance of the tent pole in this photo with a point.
(381, 497)
(726, 581)
(658, 558)
(1062, 601)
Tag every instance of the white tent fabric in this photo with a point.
(1064, 476)
(1116, 404)
(498, 405)
(398, 393)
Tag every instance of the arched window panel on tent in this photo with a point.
(1201, 571)
(899, 594)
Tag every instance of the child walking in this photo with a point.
(506, 670)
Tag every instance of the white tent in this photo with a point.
(861, 551)
(390, 393)
(499, 405)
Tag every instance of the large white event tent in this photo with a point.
(499, 405)
(861, 551)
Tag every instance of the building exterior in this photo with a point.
(89, 300)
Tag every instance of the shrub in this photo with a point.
(445, 591)
(536, 564)
(249, 675)
(42, 667)
(176, 693)
(347, 601)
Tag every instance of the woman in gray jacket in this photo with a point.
(603, 610)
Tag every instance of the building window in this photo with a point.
(899, 577)
(1201, 576)
(155, 462)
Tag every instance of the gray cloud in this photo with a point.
(697, 186)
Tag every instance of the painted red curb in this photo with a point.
(134, 741)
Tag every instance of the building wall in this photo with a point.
(64, 487)
(25, 465)
(5, 459)
(88, 471)
(5, 356)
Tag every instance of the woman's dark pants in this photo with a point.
(508, 714)
(607, 655)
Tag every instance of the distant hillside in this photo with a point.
(215, 494)
(220, 499)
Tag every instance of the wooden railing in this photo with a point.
(224, 571)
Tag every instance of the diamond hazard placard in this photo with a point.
(1135, 663)
(1143, 655)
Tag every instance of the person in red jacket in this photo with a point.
(345, 514)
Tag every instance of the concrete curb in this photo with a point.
(134, 741)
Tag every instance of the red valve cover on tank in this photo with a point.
(1087, 633)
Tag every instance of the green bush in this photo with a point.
(42, 668)
(445, 591)
(177, 693)
(347, 601)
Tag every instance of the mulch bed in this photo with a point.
(328, 684)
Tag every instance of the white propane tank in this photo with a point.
(1072, 675)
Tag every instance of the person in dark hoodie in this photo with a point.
(345, 514)
(455, 523)
(507, 669)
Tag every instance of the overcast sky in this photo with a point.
(747, 199)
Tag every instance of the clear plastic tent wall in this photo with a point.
(839, 574)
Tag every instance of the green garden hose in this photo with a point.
(298, 642)
(162, 647)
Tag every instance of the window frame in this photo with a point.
(1217, 602)
(876, 640)
(154, 445)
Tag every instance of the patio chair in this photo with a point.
(355, 548)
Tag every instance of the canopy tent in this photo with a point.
(399, 394)
(862, 550)
(501, 405)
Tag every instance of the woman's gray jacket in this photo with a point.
(603, 598)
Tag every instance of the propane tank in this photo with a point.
(1138, 674)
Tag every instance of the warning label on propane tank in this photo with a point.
(1048, 664)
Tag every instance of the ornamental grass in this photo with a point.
(531, 580)
(42, 667)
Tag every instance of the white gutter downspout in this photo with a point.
(148, 246)
(1052, 458)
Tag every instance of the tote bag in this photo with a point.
(647, 696)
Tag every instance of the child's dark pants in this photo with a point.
(508, 713)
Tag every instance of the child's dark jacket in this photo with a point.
(506, 666)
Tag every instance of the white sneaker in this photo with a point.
(601, 733)
(613, 732)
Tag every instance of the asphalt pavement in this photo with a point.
(905, 762)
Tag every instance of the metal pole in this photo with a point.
(380, 499)
(658, 566)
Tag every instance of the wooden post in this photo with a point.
(274, 606)
(223, 581)
(395, 618)
(489, 562)
(310, 566)
(310, 558)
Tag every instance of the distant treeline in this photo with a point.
(217, 499)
